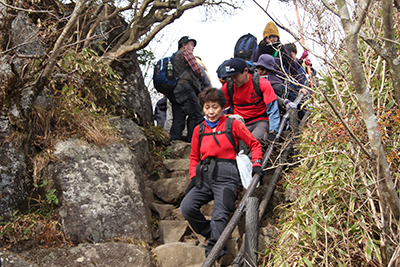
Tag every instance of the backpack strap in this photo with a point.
(229, 87)
(201, 133)
(228, 132)
(256, 84)
(257, 89)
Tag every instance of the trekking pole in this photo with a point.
(237, 215)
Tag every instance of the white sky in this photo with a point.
(216, 39)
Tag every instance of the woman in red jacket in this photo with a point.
(213, 169)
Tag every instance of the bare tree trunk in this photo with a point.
(44, 78)
(390, 47)
(385, 181)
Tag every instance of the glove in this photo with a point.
(258, 170)
(304, 55)
(271, 136)
(308, 62)
(290, 104)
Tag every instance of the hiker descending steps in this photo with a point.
(252, 99)
(213, 169)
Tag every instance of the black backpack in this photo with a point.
(245, 46)
(228, 132)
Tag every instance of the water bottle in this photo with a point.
(170, 71)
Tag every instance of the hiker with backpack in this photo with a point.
(266, 69)
(213, 169)
(272, 45)
(296, 89)
(184, 95)
(253, 99)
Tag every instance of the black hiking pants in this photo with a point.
(221, 185)
(184, 103)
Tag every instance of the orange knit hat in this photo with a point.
(270, 29)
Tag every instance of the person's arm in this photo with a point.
(205, 82)
(270, 101)
(273, 115)
(191, 61)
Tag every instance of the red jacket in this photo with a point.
(246, 94)
(225, 150)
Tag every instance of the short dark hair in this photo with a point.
(211, 94)
(291, 47)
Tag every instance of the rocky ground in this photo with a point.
(174, 242)
(173, 233)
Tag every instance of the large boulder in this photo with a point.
(102, 192)
(15, 184)
(25, 37)
(10, 259)
(137, 141)
(135, 96)
(136, 101)
(104, 254)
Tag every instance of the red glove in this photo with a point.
(304, 55)
(308, 62)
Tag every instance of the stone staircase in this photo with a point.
(179, 245)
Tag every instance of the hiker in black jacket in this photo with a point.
(184, 97)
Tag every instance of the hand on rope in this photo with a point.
(289, 104)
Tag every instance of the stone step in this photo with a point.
(179, 254)
(176, 164)
(171, 190)
(179, 149)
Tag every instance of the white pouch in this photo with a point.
(245, 168)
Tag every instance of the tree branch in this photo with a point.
(330, 7)
(363, 7)
(43, 80)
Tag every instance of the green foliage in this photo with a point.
(145, 57)
(91, 81)
(85, 94)
(337, 218)
(45, 205)
(43, 229)
(157, 138)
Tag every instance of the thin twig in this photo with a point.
(51, 12)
